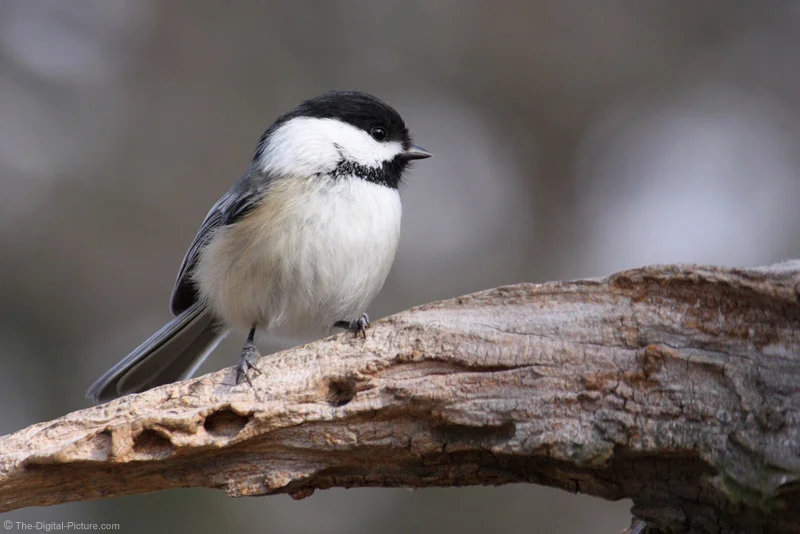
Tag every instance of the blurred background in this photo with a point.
(571, 139)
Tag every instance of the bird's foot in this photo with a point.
(246, 363)
(358, 327)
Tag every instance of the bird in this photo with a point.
(298, 246)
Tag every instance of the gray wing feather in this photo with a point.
(171, 354)
(184, 294)
(233, 205)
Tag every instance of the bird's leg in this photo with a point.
(359, 326)
(247, 359)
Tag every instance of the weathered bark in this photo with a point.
(676, 386)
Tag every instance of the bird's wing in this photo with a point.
(233, 205)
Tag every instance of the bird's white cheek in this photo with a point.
(307, 157)
(307, 146)
(365, 151)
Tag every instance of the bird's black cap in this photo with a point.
(358, 109)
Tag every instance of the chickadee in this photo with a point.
(299, 245)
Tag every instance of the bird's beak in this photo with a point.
(415, 152)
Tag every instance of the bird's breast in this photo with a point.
(314, 251)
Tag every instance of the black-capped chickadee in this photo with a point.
(299, 245)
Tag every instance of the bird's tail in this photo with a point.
(171, 354)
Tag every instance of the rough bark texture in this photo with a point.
(676, 386)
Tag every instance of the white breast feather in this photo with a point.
(317, 250)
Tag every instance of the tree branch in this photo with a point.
(676, 386)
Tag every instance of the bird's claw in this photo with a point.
(358, 326)
(246, 363)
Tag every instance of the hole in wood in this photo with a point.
(225, 423)
(153, 444)
(101, 445)
(341, 390)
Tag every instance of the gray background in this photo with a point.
(571, 138)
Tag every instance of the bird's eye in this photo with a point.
(379, 134)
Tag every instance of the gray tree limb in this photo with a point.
(675, 386)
